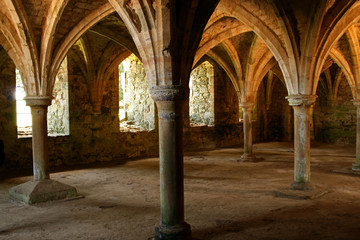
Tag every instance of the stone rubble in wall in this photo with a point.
(139, 106)
(201, 109)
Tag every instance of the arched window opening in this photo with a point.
(136, 107)
(58, 111)
(201, 110)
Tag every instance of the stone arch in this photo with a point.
(76, 33)
(224, 34)
(152, 26)
(338, 28)
(215, 57)
(55, 10)
(340, 60)
(270, 38)
(98, 69)
(20, 45)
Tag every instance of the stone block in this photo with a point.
(41, 191)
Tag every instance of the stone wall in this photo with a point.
(201, 102)
(14, 152)
(335, 120)
(279, 115)
(139, 106)
(228, 129)
(58, 112)
(259, 124)
(96, 137)
(226, 100)
(8, 116)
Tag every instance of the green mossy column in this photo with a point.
(248, 155)
(356, 165)
(301, 105)
(170, 104)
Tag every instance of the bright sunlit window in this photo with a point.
(23, 112)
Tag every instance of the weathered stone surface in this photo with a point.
(139, 106)
(58, 111)
(202, 94)
(279, 117)
(301, 105)
(335, 120)
(41, 191)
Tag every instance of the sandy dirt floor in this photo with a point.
(224, 199)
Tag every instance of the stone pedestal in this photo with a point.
(170, 102)
(248, 155)
(301, 105)
(356, 165)
(41, 189)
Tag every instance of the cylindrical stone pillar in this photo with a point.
(301, 105)
(247, 109)
(356, 165)
(40, 143)
(170, 103)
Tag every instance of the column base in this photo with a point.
(41, 191)
(248, 157)
(356, 167)
(178, 232)
(302, 186)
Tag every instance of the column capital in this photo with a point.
(38, 101)
(299, 99)
(169, 93)
(247, 105)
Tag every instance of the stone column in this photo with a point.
(301, 105)
(170, 102)
(41, 189)
(356, 165)
(39, 106)
(248, 155)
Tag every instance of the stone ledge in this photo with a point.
(41, 191)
